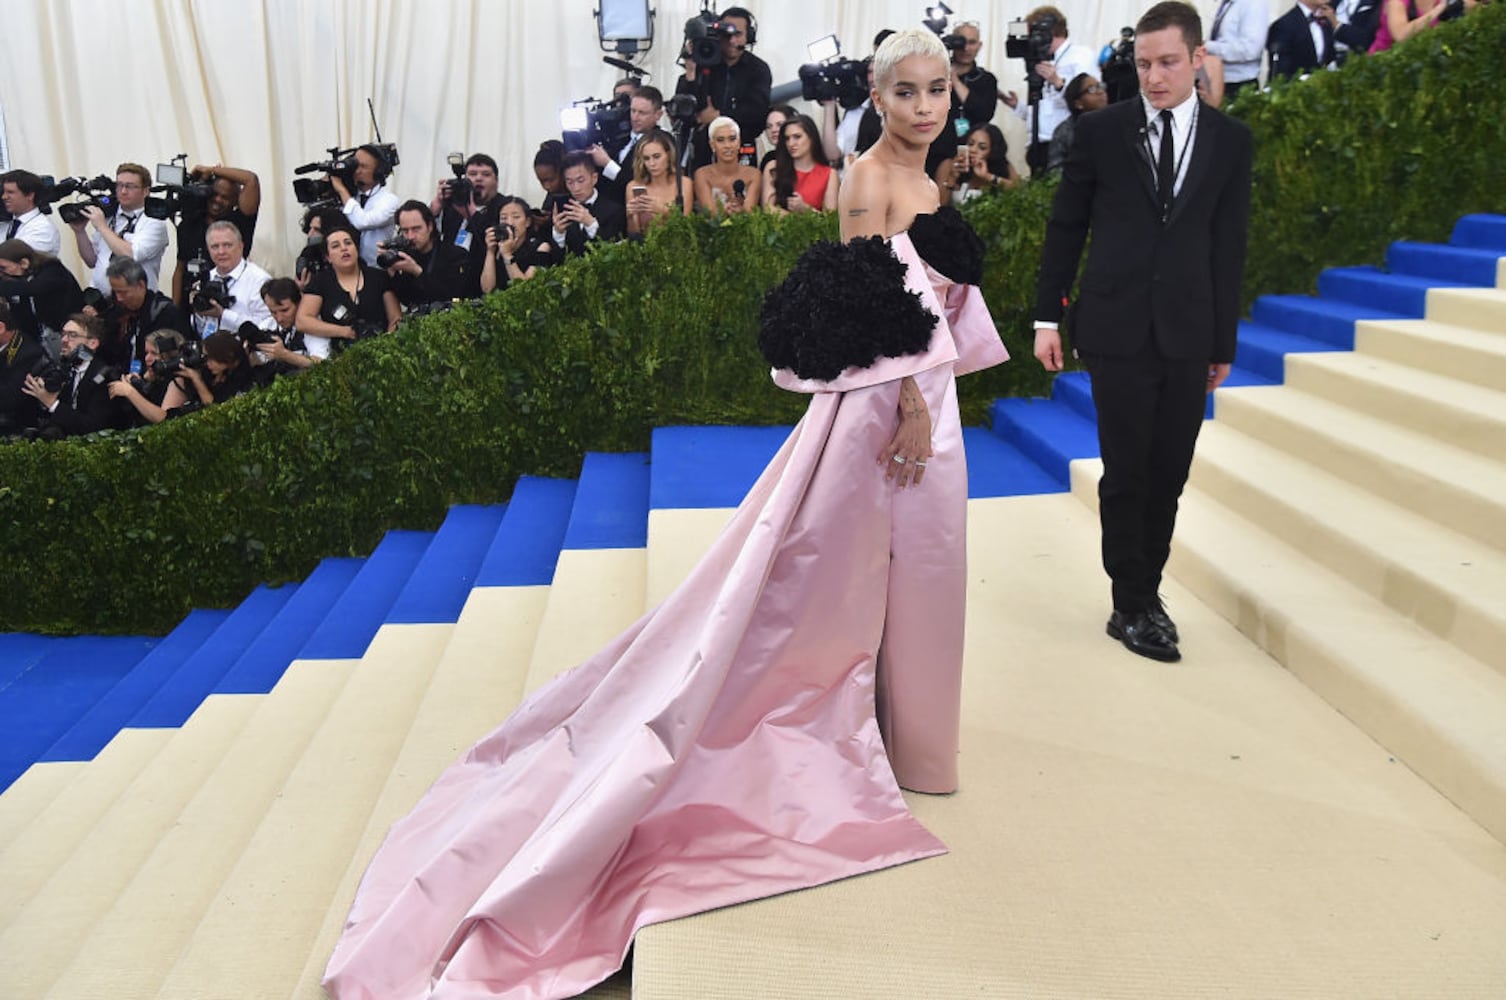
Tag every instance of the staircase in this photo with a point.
(188, 817)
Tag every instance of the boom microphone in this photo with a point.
(625, 66)
(310, 168)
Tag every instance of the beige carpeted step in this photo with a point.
(32, 854)
(1466, 416)
(676, 540)
(478, 681)
(1127, 829)
(1465, 353)
(1481, 308)
(1419, 472)
(258, 925)
(1450, 584)
(595, 594)
(32, 792)
(1437, 709)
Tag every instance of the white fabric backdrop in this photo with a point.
(268, 84)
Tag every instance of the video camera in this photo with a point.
(97, 191)
(829, 77)
(704, 35)
(1031, 41)
(1116, 61)
(938, 18)
(588, 122)
(314, 192)
(176, 193)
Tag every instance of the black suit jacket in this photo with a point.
(1290, 45)
(615, 188)
(17, 358)
(1176, 281)
(91, 409)
(611, 224)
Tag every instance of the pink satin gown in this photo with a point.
(730, 745)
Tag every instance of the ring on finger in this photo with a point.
(898, 460)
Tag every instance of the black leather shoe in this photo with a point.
(1142, 636)
(1157, 613)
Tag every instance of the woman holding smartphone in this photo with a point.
(658, 188)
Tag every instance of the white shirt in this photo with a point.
(38, 232)
(847, 128)
(244, 281)
(148, 240)
(374, 219)
(1241, 38)
(1183, 117)
(1070, 60)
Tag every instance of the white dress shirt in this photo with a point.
(244, 281)
(1070, 60)
(1240, 40)
(1183, 119)
(38, 232)
(373, 219)
(148, 240)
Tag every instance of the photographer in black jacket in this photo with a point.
(19, 353)
(137, 311)
(76, 399)
(425, 270)
(42, 291)
(738, 86)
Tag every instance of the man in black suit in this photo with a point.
(19, 354)
(587, 216)
(82, 404)
(1301, 40)
(615, 160)
(1163, 183)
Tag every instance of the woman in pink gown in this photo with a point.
(749, 736)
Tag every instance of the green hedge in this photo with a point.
(127, 532)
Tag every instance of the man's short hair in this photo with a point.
(414, 205)
(127, 269)
(25, 181)
(482, 160)
(94, 327)
(1058, 24)
(1173, 14)
(138, 170)
(652, 94)
(282, 290)
(224, 226)
(581, 158)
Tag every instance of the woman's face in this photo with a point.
(341, 250)
(656, 160)
(772, 125)
(149, 355)
(796, 140)
(13, 268)
(725, 144)
(549, 178)
(980, 145)
(216, 368)
(512, 213)
(916, 99)
(1093, 97)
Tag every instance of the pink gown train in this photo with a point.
(728, 745)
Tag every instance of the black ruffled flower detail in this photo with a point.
(842, 305)
(946, 242)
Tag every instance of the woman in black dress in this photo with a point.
(348, 300)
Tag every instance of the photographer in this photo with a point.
(138, 310)
(515, 247)
(130, 232)
(346, 301)
(370, 208)
(285, 350)
(645, 108)
(41, 290)
(1084, 94)
(461, 221)
(1237, 38)
(316, 222)
(975, 97)
(230, 294)
(74, 394)
(423, 269)
(738, 86)
(224, 374)
(19, 190)
(586, 216)
(1067, 60)
(235, 197)
(147, 392)
(19, 354)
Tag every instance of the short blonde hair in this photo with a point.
(721, 122)
(902, 45)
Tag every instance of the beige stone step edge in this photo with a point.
(1422, 474)
(1450, 585)
(1458, 352)
(30, 794)
(1435, 709)
(1480, 308)
(478, 681)
(1467, 416)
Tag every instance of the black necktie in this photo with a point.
(362, 197)
(1166, 170)
(15, 227)
(1218, 19)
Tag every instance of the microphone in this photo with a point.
(739, 189)
(625, 66)
(309, 168)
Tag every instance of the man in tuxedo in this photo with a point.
(615, 160)
(82, 404)
(587, 216)
(1301, 40)
(1163, 184)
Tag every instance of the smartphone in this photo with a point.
(639, 190)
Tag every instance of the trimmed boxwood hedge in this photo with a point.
(126, 532)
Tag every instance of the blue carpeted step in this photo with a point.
(1051, 434)
(19, 652)
(527, 543)
(197, 676)
(1076, 390)
(611, 503)
(47, 700)
(1262, 350)
(701, 467)
(444, 576)
(258, 669)
(110, 714)
(1469, 265)
(1320, 319)
(1403, 294)
(1481, 232)
(348, 629)
(996, 468)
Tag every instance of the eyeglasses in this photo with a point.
(1093, 88)
(129, 185)
(74, 335)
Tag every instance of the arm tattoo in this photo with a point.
(855, 212)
